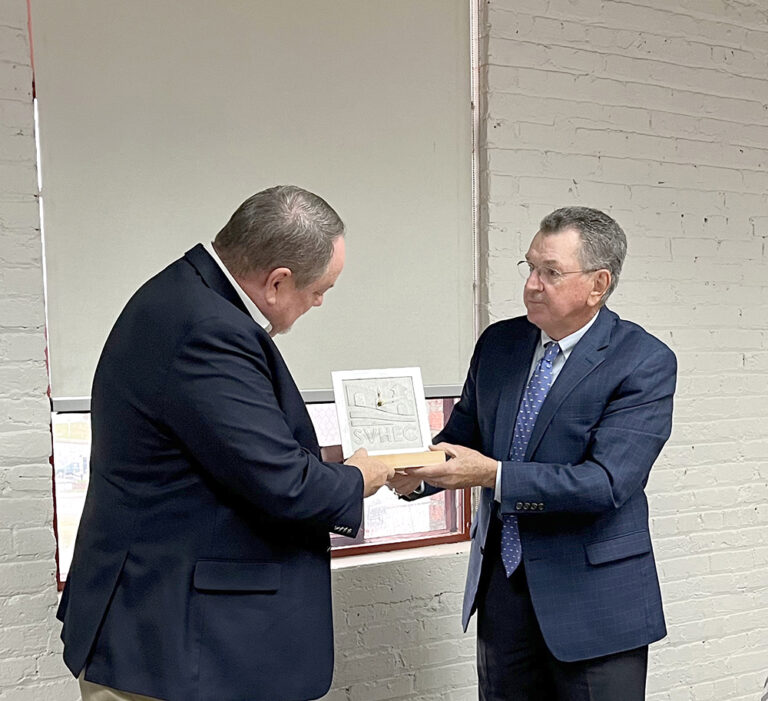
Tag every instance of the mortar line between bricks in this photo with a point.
(599, 22)
(17, 64)
(692, 643)
(692, 15)
(626, 132)
(625, 81)
(582, 43)
(601, 157)
(633, 57)
(656, 186)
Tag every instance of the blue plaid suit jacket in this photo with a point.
(579, 494)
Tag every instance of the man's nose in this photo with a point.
(533, 282)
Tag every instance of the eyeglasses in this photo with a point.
(549, 276)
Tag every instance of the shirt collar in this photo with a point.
(567, 344)
(253, 310)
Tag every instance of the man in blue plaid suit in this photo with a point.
(561, 418)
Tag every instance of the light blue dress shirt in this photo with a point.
(567, 345)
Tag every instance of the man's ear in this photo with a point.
(600, 283)
(275, 279)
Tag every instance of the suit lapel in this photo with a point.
(588, 354)
(298, 417)
(515, 362)
(212, 275)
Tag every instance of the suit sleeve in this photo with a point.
(219, 400)
(462, 427)
(622, 448)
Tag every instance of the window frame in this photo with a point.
(462, 516)
(458, 502)
(458, 510)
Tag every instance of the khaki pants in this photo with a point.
(97, 692)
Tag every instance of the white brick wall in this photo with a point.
(30, 659)
(655, 112)
(658, 113)
(398, 629)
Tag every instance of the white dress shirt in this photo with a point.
(253, 310)
(567, 345)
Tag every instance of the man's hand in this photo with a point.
(466, 468)
(403, 484)
(375, 472)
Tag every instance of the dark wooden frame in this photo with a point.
(455, 533)
(458, 519)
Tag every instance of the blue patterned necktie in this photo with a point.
(533, 398)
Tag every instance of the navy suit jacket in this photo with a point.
(201, 567)
(579, 494)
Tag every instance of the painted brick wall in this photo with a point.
(658, 113)
(398, 629)
(30, 659)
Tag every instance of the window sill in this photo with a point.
(400, 555)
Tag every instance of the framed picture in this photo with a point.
(383, 411)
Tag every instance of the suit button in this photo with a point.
(519, 505)
(526, 506)
(541, 507)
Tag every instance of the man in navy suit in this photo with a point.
(561, 418)
(201, 568)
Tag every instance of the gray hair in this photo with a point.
(282, 227)
(603, 242)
